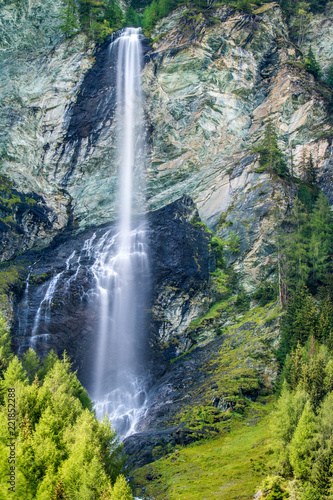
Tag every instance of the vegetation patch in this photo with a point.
(229, 466)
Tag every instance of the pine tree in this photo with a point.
(302, 444)
(314, 380)
(321, 243)
(299, 322)
(296, 366)
(296, 243)
(5, 350)
(322, 471)
(305, 323)
(284, 421)
(311, 64)
(70, 18)
(310, 173)
(271, 157)
(325, 324)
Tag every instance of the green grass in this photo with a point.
(230, 466)
(213, 313)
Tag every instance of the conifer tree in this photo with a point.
(321, 243)
(271, 157)
(284, 422)
(296, 366)
(325, 324)
(299, 322)
(5, 351)
(314, 380)
(302, 444)
(311, 64)
(70, 18)
(322, 471)
(310, 173)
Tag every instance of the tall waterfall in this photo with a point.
(121, 264)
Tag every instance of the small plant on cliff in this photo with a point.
(217, 246)
(271, 157)
(233, 243)
(245, 6)
(265, 293)
(311, 64)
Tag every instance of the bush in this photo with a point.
(267, 292)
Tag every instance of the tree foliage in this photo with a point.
(271, 158)
(62, 450)
(98, 18)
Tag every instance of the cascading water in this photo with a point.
(116, 259)
(121, 265)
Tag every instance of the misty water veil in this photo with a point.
(121, 267)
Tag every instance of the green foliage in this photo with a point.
(69, 16)
(221, 282)
(245, 6)
(299, 322)
(62, 450)
(265, 293)
(302, 444)
(121, 490)
(302, 424)
(217, 246)
(275, 486)
(305, 245)
(98, 18)
(242, 302)
(233, 243)
(132, 18)
(311, 64)
(271, 157)
(5, 350)
(284, 422)
(329, 76)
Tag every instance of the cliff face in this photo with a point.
(211, 83)
(218, 80)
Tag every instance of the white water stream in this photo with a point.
(121, 258)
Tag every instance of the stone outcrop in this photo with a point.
(219, 79)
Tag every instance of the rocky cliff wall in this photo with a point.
(219, 78)
(211, 80)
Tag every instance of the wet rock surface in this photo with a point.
(61, 286)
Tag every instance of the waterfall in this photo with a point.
(114, 261)
(121, 263)
(44, 309)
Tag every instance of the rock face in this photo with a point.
(225, 373)
(180, 261)
(211, 82)
(55, 303)
(218, 80)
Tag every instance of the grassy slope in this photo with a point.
(228, 467)
(232, 464)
